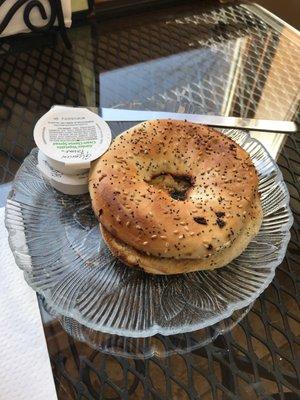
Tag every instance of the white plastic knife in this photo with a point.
(114, 114)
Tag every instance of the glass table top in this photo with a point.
(208, 58)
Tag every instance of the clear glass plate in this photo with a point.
(56, 242)
(146, 347)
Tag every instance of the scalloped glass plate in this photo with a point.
(147, 347)
(56, 242)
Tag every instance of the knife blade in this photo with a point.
(114, 114)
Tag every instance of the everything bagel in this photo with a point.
(174, 197)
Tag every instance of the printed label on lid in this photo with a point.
(72, 135)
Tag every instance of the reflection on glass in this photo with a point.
(184, 82)
(251, 72)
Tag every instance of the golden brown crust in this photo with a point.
(147, 219)
(170, 266)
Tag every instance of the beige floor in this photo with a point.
(288, 10)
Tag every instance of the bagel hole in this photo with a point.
(177, 186)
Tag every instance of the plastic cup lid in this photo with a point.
(65, 179)
(73, 136)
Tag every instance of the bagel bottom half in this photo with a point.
(170, 266)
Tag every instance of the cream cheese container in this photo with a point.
(68, 184)
(71, 138)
